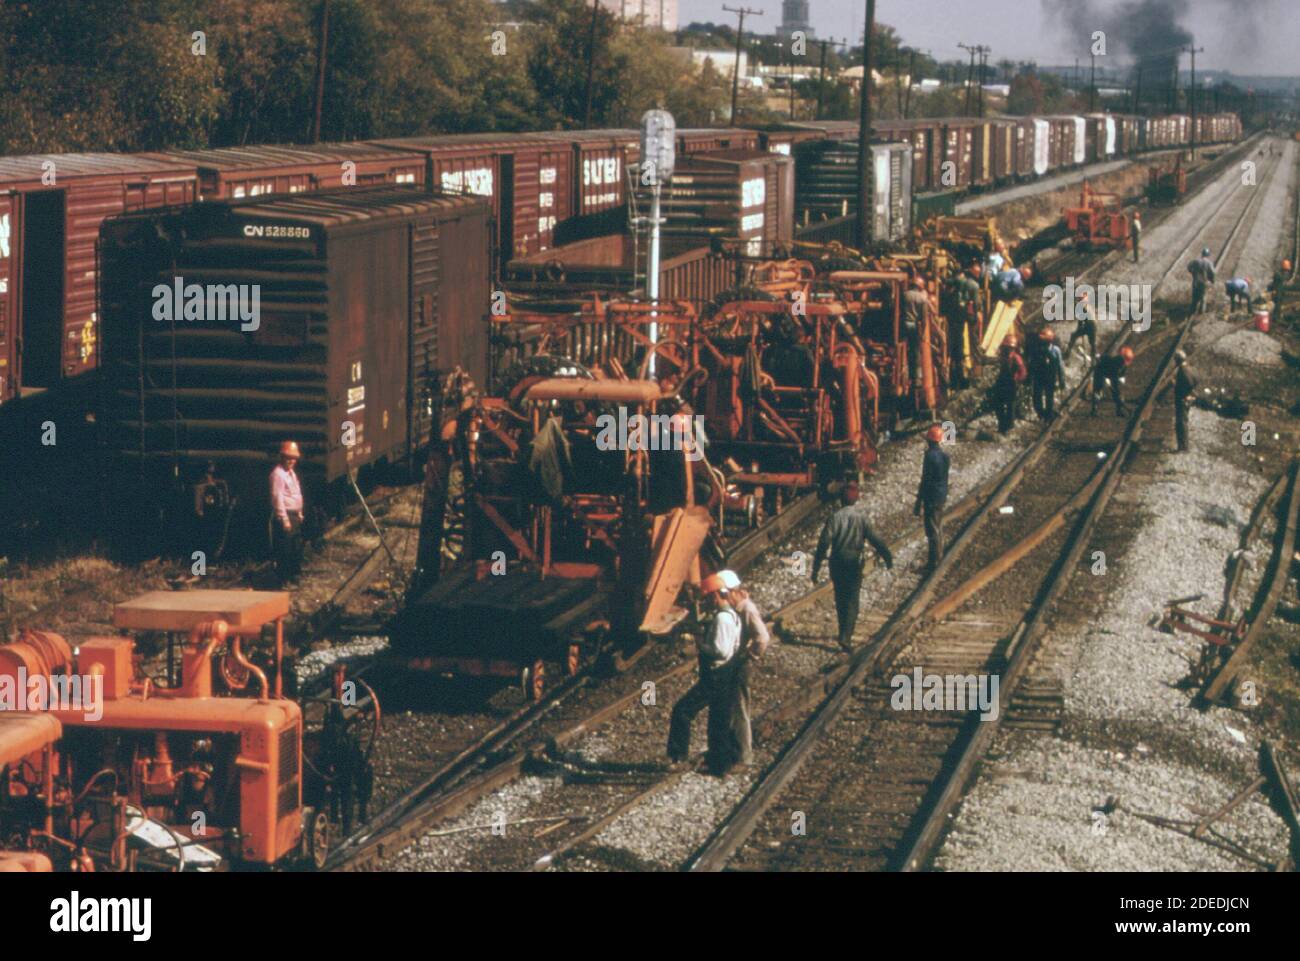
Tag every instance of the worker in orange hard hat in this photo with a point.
(1011, 374)
(1046, 374)
(719, 650)
(286, 514)
(932, 494)
(1110, 372)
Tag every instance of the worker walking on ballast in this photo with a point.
(715, 689)
(754, 640)
(1184, 393)
(1110, 372)
(1085, 329)
(844, 538)
(932, 494)
(1047, 373)
(1202, 271)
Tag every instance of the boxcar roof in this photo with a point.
(333, 208)
(32, 166)
(435, 143)
(277, 155)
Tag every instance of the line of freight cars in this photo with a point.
(544, 189)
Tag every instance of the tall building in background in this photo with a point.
(794, 16)
(648, 13)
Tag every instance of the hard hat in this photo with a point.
(1010, 340)
(976, 269)
(1026, 272)
(290, 449)
(1286, 265)
(1047, 334)
(730, 580)
(1127, 354)
(935, 433)
(713, 584)
(1180, 356)
(1205, 251)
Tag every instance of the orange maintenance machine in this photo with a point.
(199, 769)
(28, 763)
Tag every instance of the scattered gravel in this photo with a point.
(1129, 732)
(318, 662)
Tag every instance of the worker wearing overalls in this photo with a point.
(716, 687)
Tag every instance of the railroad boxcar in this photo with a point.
(1002, 132)
(957, 156)
(526, 178)
(926, 140)
(601, 159)
(784, 138)
(1100, 138)
(358, 300)
(694, 140)
(826, 184)
(230, 173)
(744, 195)
(51, 207)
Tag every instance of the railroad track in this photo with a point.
(496, 760)
(874, 786)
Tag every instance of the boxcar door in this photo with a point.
(43, 265)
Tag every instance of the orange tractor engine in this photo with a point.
(175, 776)
(1099, 221)
(28, 766)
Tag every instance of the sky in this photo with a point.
(1264, 42)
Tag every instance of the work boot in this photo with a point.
(846, 646)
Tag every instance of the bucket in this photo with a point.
(1261, 320)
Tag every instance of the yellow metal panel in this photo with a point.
(1002, 322)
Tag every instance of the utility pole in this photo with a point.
(898, 80)
(984, 59)
(320, 68)
(911, 79)
(970, 75)
(1076, 74)
(821, 73)
(791, 78)
(591, 61)
(735, 73)
(1191, 92)
(863, 232)
(1092, 87)
(1137, 92)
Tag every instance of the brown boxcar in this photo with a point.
(601, 159)
(524, 176)
(356, 300)
(229, 173)
(51, 207)
(957, 158)
(1003, 135)
(693, 140)
(784, 138)
(745, 195)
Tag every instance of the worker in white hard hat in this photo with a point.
(754, 640)
(719, 647)
(286, 515)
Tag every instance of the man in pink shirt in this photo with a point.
(286, 514)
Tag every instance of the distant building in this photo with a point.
(794, 16)
(648, 13)
(722, 61)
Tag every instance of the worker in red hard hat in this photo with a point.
(1046, 374)
(843, 539)
(932, 494)
(286, 515)
(719, 649)
(1011, 374)
(1110, 372)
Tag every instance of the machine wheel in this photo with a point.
(532, 681)
(318, 838)
(573, 660)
